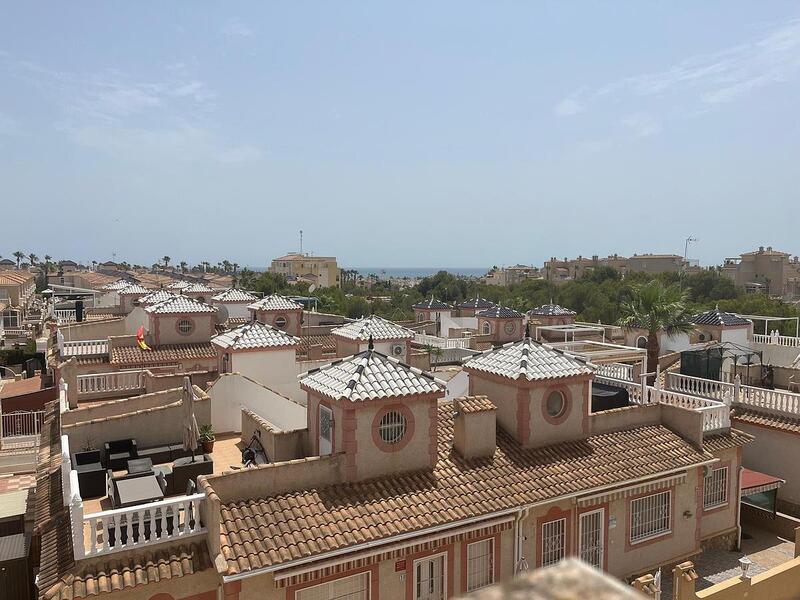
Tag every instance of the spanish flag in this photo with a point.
(140, 339)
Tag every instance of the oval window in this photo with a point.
(392, 427)
(280, 321)
(555, 404)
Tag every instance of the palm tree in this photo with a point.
(656, 308)
(166, 260)
(19, 255)
(32, 258)
(47, 262)
(184, 266)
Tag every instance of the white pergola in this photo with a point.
(570, 330)
(768, 319)
(603, 352)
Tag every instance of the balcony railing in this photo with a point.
(716, 415)
(85, 348)
(21, 423)
(117, 381)
(64, 315)
(616, 370)
(777, 401)
(432, 340)
(777, 340)
(143, 525)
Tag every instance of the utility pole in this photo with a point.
(301, 241)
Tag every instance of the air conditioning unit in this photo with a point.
(398, 350)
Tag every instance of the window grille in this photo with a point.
(650, 516)
(715, 488)
(480, 564)
(392, 427)
(553, 541)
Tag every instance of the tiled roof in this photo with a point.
(474, 404)
(500, 312)
(529, 359)
(718, 317)
(156, 297)
(116, 285)
(253, 335)
(166, 354)
(476, 303)
(276, 529)
(328, 342)
(196, 288)
(370, 375)
(180, 305)
(724, 441)
(375, 327)
(234, 295)
(275, 302)
(121, 572)
(432, 304)
(179, 285)
(551, 310)
(750, 416)
(50, 516)
(133, 289)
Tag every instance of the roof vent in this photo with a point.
(475, 427)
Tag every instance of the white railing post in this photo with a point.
(737, 389)
(76, 517)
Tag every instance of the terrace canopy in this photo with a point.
(768, 319)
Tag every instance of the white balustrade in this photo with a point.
(637, 393)
(118, 381)
(616, 371)
(432, 340)
(143, 525)
(85, 347)
(777, 340)
(64, 315)
(779, 401)
(708, 388)
(16, 333)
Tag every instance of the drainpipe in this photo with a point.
(519, 540)
(739, 511)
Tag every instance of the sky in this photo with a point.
(406, 134)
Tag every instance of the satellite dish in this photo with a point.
(312, 287)
(222, 314)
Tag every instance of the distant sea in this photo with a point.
(419, 271)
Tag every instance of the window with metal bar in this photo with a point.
(392, 427)
(553, 541)
(715, 488)
(355, 587)
(650, 516)
(480, 564)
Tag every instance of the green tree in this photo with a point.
(656, 308)
(19, 255)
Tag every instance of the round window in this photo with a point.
(185, 326)
(510, 327)
(555, 404)
(392, 427)
(280, 321)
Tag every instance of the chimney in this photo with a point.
(475, 427)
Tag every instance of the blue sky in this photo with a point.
(405, 134)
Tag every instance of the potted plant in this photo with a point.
(207, 438)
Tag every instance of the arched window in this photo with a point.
(421, 317)
(487, 328)
(641, 342)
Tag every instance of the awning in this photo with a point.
(754, 482)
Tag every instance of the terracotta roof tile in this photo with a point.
(131, 569)
(474, 404)
(527, 358)
(375, 327)
(765, 419)
(275, 302)
(167, 353)
(343, 515)
(723, 441)
(370, 375)
(253, 335)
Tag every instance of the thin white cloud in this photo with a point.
(642, 125)
(236, 28)
(707, 79)
(8, 125)
(130, 119)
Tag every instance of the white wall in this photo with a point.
(449, 323)
(457, 386)
(677, 342)
(236, 310)
(106, 300)
(276, 369)
(233, 391)
(135, 319)
(737, 336)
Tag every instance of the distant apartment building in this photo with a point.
(566, 269)
(506, 276)
(303, 267)
(766, 271)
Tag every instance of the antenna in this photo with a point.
(301, 241)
